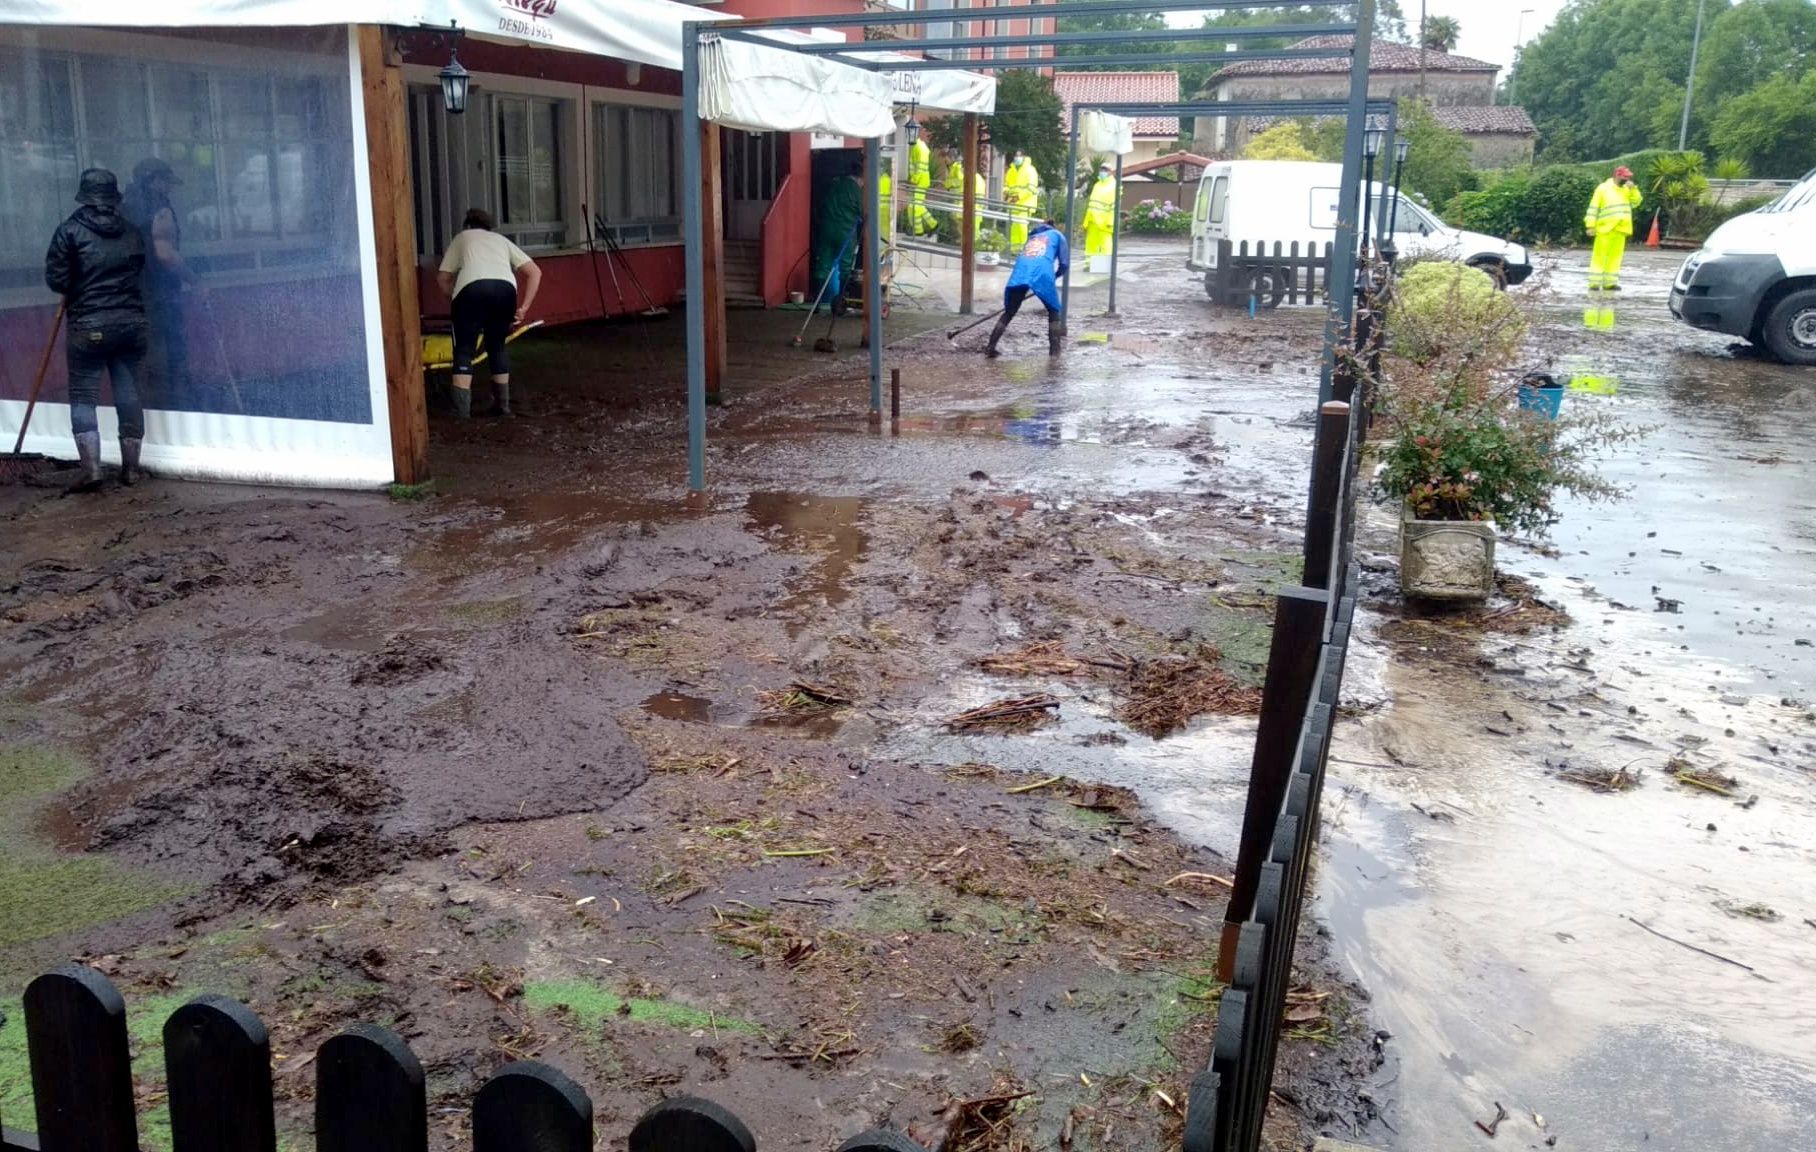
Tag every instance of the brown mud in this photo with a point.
(551, 764)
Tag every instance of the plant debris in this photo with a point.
(1167, 693)
(1017, 714)
(1707, 779)
(800, 696)
(961, 1037)
(1753, 910)
(986, 1123)
(1601, 779)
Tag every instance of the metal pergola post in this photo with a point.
(1065, 292)
(1115, 228)
(873, 278)
(1343, 257)
(694, 228)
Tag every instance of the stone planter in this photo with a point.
(1446, 559)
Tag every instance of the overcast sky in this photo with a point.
(1489, 28)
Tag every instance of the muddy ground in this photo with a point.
(548, 764)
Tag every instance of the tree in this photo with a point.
(1114, 22)
(1284, 141)
(1772, 128)
(1744, 46)
(1439, 163)
(1027, 118)
(1441, 33)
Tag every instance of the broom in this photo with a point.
(17, 463)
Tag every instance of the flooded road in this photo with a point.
(1631, 970)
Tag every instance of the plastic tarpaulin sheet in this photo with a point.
(244, 150)
(646, 31)
(755, 87)
(1103, 133)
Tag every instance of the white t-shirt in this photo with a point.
(477, 254)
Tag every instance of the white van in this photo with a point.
(1755, 277)
(1287, 201)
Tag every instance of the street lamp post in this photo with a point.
(1389, 249)
(1513, 75)
(1372, 139)
(1683, 127)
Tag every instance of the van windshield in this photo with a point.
(1799, 195)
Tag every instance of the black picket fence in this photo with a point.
(1268, 279)
(1228, 1101)
(369, 1089)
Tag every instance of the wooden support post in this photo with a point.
(712, 205)
(1292, 666)
(1328, 467)
(967, 244)
(394, 235)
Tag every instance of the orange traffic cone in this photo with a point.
(1652, 236)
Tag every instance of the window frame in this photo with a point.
(635, 230)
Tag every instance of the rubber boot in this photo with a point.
(996, 334)
(1056, 333)
(463, 403)
(129, 461)
(88, 450)
(501, 400)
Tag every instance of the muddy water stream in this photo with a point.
(1635, 970)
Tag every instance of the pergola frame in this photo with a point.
(694, 134)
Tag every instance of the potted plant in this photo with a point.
(1463, 455)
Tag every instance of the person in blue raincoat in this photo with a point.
(1042, 264)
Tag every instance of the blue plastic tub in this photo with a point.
(1543, 398)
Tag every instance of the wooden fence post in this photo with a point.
(530, 1106)
(1329, 464)
(81, 1067)
(217, 1062)
(690, 1124)
(1292, 665)
(369, 1094)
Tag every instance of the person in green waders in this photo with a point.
(835, 232)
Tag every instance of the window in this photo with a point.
(636, 152)
(527, 149)
(252, 150)
(1220, 199)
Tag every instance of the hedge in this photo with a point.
(1542, 207)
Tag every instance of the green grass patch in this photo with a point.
(409, 493)
(44, 892)
(911, 912)
(592, 1005)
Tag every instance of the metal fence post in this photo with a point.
(873, 275)
(695, 233)
(1065, 299)
(1115, 230)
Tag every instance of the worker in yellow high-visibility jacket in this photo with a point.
(920, 178)
(885, 202)
(1021, 191)
(953, 183)
(1610, 220)
(1100, 213)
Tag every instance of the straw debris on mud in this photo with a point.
(1601, 779)
(1167, 692)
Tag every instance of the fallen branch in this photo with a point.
(1694, 948)
(1038, 784)
(1500, 1114)
(789, 853)
(1211, 876)
(1020, 712)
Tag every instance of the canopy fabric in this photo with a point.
(644, 31)
(940, 90)
(764, 89)
(1102, 132)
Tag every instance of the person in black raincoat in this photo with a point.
(96, 262)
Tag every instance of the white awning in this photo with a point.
(644, 31)
(938, 89)
(763, 89)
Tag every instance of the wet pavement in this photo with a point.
(1634, 970)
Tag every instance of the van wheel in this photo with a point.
(1267, 287)
(1790, 328)
(1496, 269)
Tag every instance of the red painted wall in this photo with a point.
(570, 292)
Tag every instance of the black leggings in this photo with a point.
(116, 350)
(488, 307)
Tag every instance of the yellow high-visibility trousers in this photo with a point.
(1605, 261)
(1097, 239)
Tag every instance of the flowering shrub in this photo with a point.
(1157, 218)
